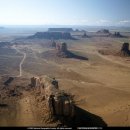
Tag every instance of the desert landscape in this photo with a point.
(88, 65)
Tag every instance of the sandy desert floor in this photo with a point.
(101, 84)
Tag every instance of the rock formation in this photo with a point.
(85, 35)
(35, 82)
(117, 35)
(63, 52)
(104, 31)
(125, 50)
(14, 92)
(8, 81)
(52, 35)
(53, 44)
(62, 47)
(77, 30)
(59, 103)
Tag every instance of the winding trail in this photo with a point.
(22, 61)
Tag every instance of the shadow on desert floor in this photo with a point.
(84, 119)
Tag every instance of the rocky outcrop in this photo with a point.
(8, 81)
(59, 103)
(85, 35)
(52, 35)
(125, 50)
(35, 82)
(103, 31)
(13, 92)
(53, 44)
(77, 30)
(63, 52)
(117, 35)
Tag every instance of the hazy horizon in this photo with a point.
(65, 12)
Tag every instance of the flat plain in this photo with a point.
(101, 84)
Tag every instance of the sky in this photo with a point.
(65, 12)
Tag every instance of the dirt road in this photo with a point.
(22, 61)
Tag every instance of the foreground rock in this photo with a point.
(59, 103)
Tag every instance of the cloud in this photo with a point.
(124, 21)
